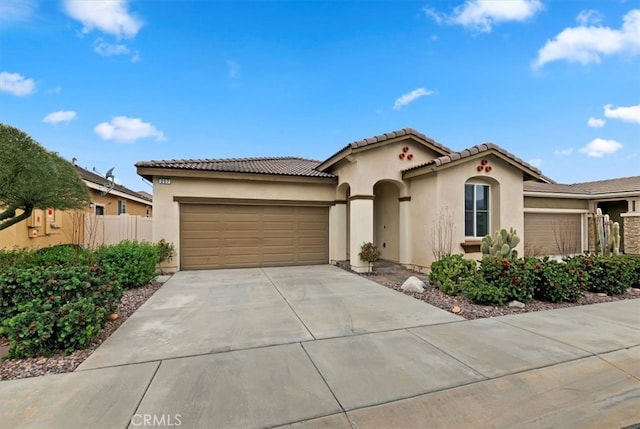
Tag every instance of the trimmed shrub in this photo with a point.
(481, 292)
(450, 272)
(19, 286)
(557, 281)
(78, 322)
(63, 254)
(634, 268)
(46, 308)
(610, 274)
(31, 331)
(15, 258)
(509, 275)
(133, 263)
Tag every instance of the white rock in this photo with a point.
(516, 304)
(413, 284)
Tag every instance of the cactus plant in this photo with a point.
(606, 234)
(502, 246)
(615, 238)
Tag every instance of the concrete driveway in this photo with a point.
(320, 347)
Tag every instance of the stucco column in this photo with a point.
(338, 232)
(405, 231)
(361, 228)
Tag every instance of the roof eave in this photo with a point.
(432, 167)
(149, 172)
(348, 150)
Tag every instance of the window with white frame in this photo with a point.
(476, 209)
(122, 207)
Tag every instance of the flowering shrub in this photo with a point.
(510, 275)
(369, 252)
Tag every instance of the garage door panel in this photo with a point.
(216, 236)
(210, 244)
(552, 233)
(287, 242)
(201, 234)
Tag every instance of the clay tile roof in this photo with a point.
(623, 184)
(388, 136)
(92, 177)
(556, 188)
(610, 186)
(484, 147)
(284, 166)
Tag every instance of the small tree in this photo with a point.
(442, 231)
(32, 177)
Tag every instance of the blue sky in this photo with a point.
(114, 82)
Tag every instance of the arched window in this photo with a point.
(477, 213)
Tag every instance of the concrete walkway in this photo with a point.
(319, 347)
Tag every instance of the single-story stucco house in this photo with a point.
(394, 190)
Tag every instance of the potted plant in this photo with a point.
(369, 253)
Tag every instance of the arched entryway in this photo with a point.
(386, 220)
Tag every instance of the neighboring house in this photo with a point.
(558, 215)
(50, 227)
(119, 200)
(392, 190)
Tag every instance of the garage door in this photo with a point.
(552, 234)
(227, 236)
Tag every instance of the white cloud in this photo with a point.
(108, 49)
(409, 97)
(563, 152)
(587, 44)
(17, 10)
(16, 84)
(597, 148)
(124, 129)
(438, 17)
(136, 57)
(627, 114)
(481, 15)
(60, 116)
(589, 17)
(109, 16)
(596, 122)
(535, 162)
(55, 90)
(233, 69)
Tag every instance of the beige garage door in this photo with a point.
(227, 236)
(552, 234)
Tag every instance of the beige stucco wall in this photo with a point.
(445, 188)
(381, 163)
(361, 173)
(166, 222)
(33, 235)
(555, 203)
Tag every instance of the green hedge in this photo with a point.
(132, 262)
(43, 309)
(498, 281)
